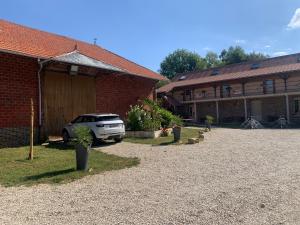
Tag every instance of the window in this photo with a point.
(182, 78)
(188, 95)
(215, 72)
(107, 118)
(88, 119)
(268, 86)
(77, 120)
(297, 105)
(203, 94)
(226, 90)
(255, 66)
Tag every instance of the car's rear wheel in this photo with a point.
(118, 139)
(65, 136)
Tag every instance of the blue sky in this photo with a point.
(145, 31)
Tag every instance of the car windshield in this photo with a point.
(107, 118)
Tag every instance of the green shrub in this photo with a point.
(151, 123)
(168, 119)
(135, 118)
(83, 136)
(151, 119)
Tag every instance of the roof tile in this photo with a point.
(36, 43)
(232, 76)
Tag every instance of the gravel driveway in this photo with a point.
(233, 177)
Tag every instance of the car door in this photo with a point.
(88, 121)
(77, 122)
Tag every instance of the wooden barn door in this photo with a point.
(66, 97)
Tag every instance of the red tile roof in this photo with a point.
(240, 67)
(232, 76)
(36, 43)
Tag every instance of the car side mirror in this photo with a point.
(69, 124)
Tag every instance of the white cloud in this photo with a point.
(295, 21)
(240, 41)
(267, 46)
(280, 53)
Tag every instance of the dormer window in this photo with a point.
(255, 66)
(182, 78)
(215, 72)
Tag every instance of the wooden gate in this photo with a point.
(66, 97)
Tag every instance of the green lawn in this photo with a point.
(53, 164)
(185, 134)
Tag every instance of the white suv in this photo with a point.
(103, 127)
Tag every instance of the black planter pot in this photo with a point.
(82, 157)
(177, 133)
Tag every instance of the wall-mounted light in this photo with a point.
(74, 70)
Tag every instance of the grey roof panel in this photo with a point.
(77, 58)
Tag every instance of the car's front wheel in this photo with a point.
(65, 136)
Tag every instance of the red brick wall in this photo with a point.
(18, 84)
(115, 93)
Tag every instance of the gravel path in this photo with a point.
(233, 177)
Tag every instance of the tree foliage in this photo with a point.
(181, 60)
(237, 54)
(252, 56)
(212, 60)
(233, 55)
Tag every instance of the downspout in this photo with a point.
(40, 97)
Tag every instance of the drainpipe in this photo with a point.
(40, 97)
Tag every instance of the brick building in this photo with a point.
(266, 90)
(64, 77)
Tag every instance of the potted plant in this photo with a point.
(208, 122)
(83, 142)
(164, 132)
(177, 133)
(177, 121)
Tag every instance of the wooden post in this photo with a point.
(217, 112)
(245, 109)
(287, 108)
(285, 84)
(195, 111)
(30, 157)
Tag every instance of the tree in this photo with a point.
(212, 60)
(237, 54)
(256, 56)
(233, 55)
(161, 83)
(181, 61)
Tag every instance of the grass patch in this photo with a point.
(53, 164)
(185, 134)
